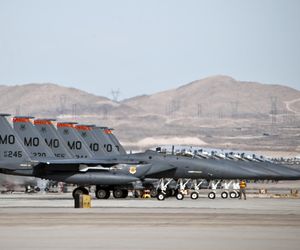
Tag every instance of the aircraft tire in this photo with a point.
(118, 193)
(211, 195)
(179, 196)
(102, 193)
(233, 195)
(161, 196)
(224, 195)
(194, 195)
(79, 191)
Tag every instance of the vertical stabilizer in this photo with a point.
(11, 147)
(53, 140)
(73, 140)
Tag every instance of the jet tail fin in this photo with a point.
(73, 140)
(54, 141)
(11, 147)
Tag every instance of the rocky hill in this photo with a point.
(217, 111)
(219, 96)
(50, 100)
(212, 96)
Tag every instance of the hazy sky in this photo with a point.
(142, 47)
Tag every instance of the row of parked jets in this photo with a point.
(211, 153)
(89, 155)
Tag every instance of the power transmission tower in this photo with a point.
(172, 107)
(115, 95)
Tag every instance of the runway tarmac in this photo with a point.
(50, 222)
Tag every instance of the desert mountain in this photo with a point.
(51, 100)
(212, 96)
(217, 111)
(219, 96)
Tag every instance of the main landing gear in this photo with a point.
(102, 192)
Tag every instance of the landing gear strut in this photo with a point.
(214, 185)
(181, 188)
(162, 188)
(195, 193)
